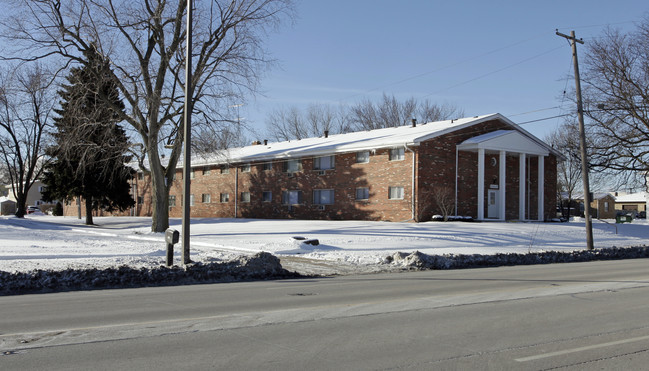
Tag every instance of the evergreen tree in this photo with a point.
(90, 155)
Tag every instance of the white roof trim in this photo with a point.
(354, 142)
(507, 140)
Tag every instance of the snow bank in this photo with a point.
(260, 266)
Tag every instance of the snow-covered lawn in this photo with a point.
(46, 242)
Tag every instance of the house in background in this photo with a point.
(486, 167)
(33, 196)
(632, 202)
(7, 206)
(603, 206)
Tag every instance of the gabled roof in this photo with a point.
(357, 141)
(639, 197)
(508, 140)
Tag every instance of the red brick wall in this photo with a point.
(435, 169)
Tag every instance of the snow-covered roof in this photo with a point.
(356, 141)
(639, 197)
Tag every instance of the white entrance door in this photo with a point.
(493, 206)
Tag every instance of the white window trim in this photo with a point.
(319, 191)
(362, 199)
(401, 154)
(402, 192)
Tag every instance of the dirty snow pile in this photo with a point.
(121, 251)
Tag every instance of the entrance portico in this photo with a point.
(499, 145)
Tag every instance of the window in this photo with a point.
(362, 193)
(225, 170)
(291, 197)
(605, 205)
(362, 157)
(245, 168)
(225, 197)
(395, 193)
(323, 196)
(293, 165)
(206, 198)
(323, 163)
(192, 174)
(41, 189)
(267, 196)
(191, 200)
(140, 200)
(172, 201)
(206, 170)
(267, 166)
(397, 154)
(245, 196)
(140, 176)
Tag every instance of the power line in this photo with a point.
(494, 71)
(454, 64)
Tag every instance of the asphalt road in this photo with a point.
(579, 316)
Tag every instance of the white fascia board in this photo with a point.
(507, 140)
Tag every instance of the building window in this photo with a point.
(397, 154)
(323, 196)
(140, 176)
(225, 170)
(267, 166)
(362, 193)
(245, 196)
(140, 200)
(245, 168)
(293, 166)
(267, 196)
(291, 197)
(206, 198)
(323, 163)
(192, 174)
(206, 170)
(191, 200)
(362, 157)
(172, 201)
(395, 193)
(225, 197)
(606, 206)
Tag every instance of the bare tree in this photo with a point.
(430, 112)
(616, 97)
(26, 102)
(144, 42)
(566, 140)
(292, 123)
(444, 198)
(390, 112)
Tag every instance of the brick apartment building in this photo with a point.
(485, 167)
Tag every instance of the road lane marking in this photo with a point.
(581, 349)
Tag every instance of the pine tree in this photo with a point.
(90, 155)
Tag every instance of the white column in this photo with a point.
(502, 178)
(541, 182)
(521, 186)
(480, 183)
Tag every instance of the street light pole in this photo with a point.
(582, 140)
(187, 138)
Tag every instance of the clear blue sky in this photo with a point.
(483, 56)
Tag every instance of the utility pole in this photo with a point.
(582, 139)
(187, 138)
